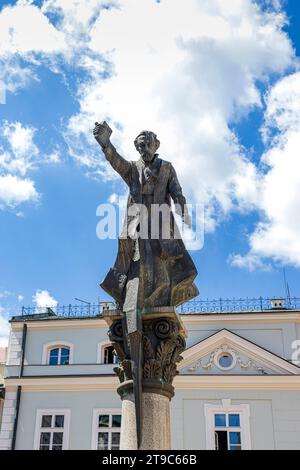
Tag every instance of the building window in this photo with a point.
(59, 356)
(109, 356)
(106, 354)
(58, 353)
(107, 429)
(227, 431)
(225, 360)
(52, 428)
(227, 426)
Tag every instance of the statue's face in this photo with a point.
(146, 147)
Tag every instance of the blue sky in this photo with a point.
(210, 82)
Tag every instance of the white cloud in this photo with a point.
(16, 160)
(42, 298)
(14, 191)
(4, 294)
(186, 70)
(24, 29)
(75, 16)
(54, 157)
(13, 74)
(59, 36)
(20, 138)
(4, 328)
(187, 73)
(23, 151)
(251, 261)
(18, 156)
(27, 39)
(277, 235)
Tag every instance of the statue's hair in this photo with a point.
(148, 134)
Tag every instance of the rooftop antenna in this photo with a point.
(287, 288)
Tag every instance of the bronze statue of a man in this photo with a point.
(149, 271)
(153, 268)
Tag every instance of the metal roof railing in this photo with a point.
(68, 311)
(239, 305)
(196, 306)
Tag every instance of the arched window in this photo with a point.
(58, 353)
(108, 355)
(59, 356)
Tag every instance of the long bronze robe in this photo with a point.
(149, 272)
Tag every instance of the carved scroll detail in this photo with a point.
(162, 346)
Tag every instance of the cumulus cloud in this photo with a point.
(24, 29)
(27, 38)
(75, 17)
(19, 155)
(251, 261)
(14, 191)
(277, 234)
(23, 152)
(14, 75)
(16, 159)
(42, 298)
(188, 74)
(59, 37)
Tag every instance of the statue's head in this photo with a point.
(146, 144)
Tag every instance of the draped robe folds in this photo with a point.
(149, 272)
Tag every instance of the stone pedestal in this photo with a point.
(163, 340)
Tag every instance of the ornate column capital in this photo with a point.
(163, 341)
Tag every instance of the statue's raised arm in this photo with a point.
(102, 133)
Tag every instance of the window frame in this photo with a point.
(101, 352)
(53, 345)
(59, 356)
(95, 427)
(65, 430)
(226, 408)
(221, 353)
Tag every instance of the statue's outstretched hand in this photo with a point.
(102, 133)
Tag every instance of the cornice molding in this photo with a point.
(60, 324)
(181, 382)
(237, 382)
(253, 317)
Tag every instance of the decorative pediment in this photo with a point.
(227, 353)
(235, 361)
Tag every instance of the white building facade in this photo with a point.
(238, 385)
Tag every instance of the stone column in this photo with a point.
(163, 342)
(156, 432)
